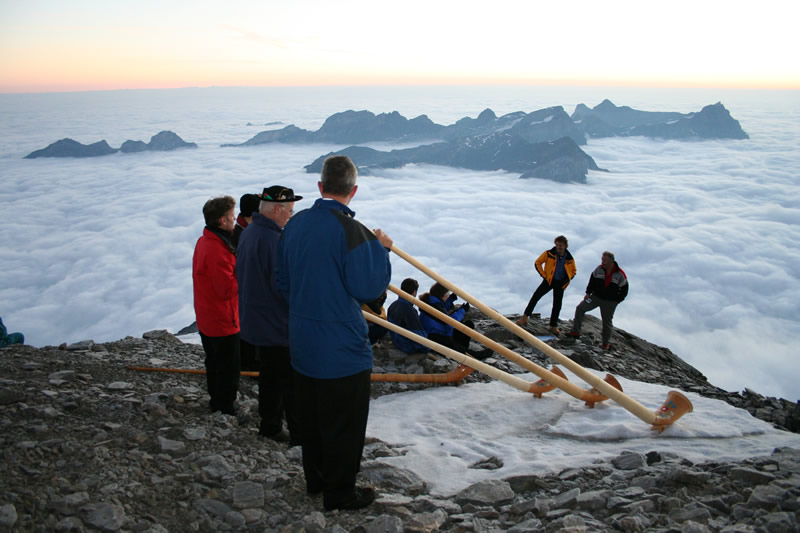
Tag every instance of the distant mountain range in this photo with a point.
(541, 144)
(161, 142)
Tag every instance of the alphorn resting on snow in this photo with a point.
(675, 406)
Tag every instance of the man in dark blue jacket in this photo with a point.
(264, 313)
(607, 288)
(403, 314)
(330, 264)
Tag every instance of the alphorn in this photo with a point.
(514, 381)
(455, 375)
(554, 377)
(675, 406)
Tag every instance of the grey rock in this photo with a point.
(750, 475)
(629, 461)
(394, 478)
(9, 396)
(171, 446)
(491, 492)
(766, 497)
(247, 494)
(8, 515)
(213, 507)
(384, 524)
(567, 499)
(104, 516)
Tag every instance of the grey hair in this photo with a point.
(610, 255)
(339, 175)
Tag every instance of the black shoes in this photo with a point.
(361, 497)
(280, 436)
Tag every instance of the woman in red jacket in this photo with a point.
(216, 302)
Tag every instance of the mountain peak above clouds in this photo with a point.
(161, 142)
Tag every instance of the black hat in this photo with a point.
(248, 203)
(278, 193)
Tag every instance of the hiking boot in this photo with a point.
(361, 497)
(554, 330)
(574, 334)
(606, 346)
(522, 320)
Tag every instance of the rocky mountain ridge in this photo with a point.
(90, 445)
(163, 141)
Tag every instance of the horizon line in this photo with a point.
(89, 89)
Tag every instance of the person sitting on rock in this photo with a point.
(403, 314)
(436, 330)
(6, 338)
(376, 332)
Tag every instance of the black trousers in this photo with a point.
(247, 356)
(333, 420)
(458, 342)
(222, 371)
(276, 393)
(558, 296)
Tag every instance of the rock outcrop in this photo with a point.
(72, 148)
(608, 120)
(560, 160)
(89, 445)
(161, 142)
(356, 127)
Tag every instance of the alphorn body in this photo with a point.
(553, 377)
(459, 357)
(675, 406)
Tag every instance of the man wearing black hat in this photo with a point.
(264, 313)
(330, 264)
(248, 204)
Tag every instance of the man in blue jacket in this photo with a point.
(403, 314)
(330, 264)
(264, 313)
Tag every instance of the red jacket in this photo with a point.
(216, 294)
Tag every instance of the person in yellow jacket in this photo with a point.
(557, 268)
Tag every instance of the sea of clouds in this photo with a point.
(707, 231)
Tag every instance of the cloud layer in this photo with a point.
(706, 231)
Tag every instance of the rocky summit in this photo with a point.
(89, 444)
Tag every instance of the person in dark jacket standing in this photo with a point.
(265, 313)
(403, 314)
(607, 288)
(248, 205)
(216, 303)
(557, 268)
(328, 265)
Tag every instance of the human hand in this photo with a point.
(384, 239)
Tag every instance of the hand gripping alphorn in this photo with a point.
(675, 406)
(550, 379)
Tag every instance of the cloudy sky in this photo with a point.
(50, 45)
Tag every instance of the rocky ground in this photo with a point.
(89, 445)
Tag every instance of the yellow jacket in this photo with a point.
(546, 266)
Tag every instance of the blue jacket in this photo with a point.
(432, 325)
(330, 264)
(402, 313)
(263, 311)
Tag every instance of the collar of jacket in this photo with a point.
(259, 219)
(330, 203)
(224, 236)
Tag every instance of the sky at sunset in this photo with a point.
(50, 46)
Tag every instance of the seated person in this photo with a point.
(375, 307)
(443, 300)
(402, 313)
(7, 338)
